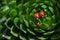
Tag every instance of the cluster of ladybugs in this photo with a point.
(38, 15)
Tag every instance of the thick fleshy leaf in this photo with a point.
(1, 36)
(27, 4)
(16, 20)
(26, 22)
(23, 28)
(13, 13)
(13, 33)
(44, 6)
(31, 32)
(1, 27)
(7, 37)
(51, 9)
(19, 7)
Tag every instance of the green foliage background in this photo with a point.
(17, 22)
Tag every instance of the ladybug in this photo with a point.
(38, 25)
(41, 13)
(36, 15)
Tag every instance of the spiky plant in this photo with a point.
(17, 21)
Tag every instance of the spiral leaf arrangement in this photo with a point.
(17, 21)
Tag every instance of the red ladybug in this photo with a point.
(38, 25)
(41, 13)
(36, 15)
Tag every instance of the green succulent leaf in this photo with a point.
(51, 9)
(27, 4)
(7, 37)
(1, 27)
(16, 20)
(23, 28)
(13, 33)
(13, 13)
(19, 7)
(0, 36)
(44, 6)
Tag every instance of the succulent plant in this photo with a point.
(17, 21)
